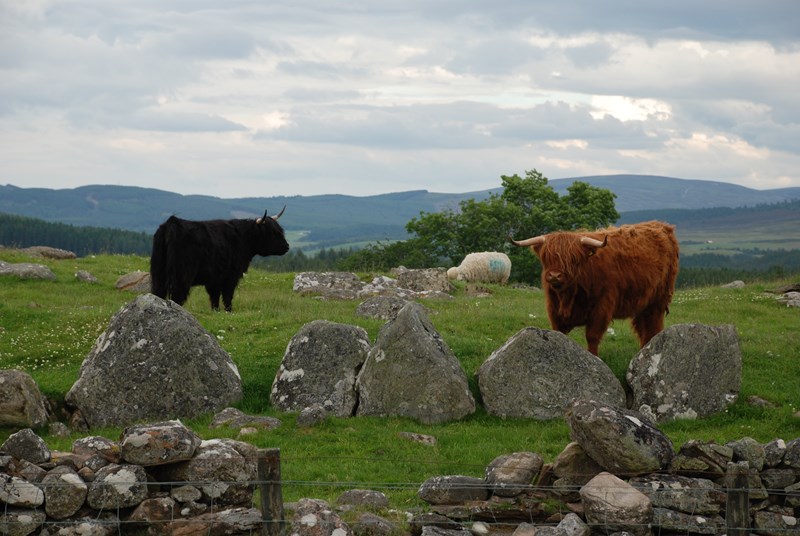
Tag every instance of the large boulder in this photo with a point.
(320, 367)
(537, 373)
(21, 401)
(687, 371)
(411, 372)
(620, 440)
(153, 362)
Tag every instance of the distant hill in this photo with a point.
(338, 220)
(652, 192)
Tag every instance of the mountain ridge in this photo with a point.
(336, 219)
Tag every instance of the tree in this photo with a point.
(527, 207)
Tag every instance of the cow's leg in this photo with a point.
(213, 296)
(595, 329)
(227, 299)
(179, 294)
(648, 324)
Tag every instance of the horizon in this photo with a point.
(286, 98)
(498, 187)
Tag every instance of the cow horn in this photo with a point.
(535, 241)
(279, 213)
(594, 243)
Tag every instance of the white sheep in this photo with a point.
(484, 267)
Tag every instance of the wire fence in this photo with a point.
(732, 508)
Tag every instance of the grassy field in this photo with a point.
(48, 328)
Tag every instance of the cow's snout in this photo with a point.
(555, 279)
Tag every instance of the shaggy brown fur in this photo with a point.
(631, 276)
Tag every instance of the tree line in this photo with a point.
(22, 232)
(527, 206)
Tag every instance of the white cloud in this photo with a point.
(307, 97)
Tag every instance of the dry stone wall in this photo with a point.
(162, 478)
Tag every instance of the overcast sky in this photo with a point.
(301, 97)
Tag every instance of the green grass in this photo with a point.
(48, 328)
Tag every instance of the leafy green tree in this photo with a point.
(526, 207)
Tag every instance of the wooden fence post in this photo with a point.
(269, 483)
(737, 512)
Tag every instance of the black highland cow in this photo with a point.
(213, 253)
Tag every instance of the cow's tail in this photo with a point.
(158, 264)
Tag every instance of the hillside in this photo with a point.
(340, 220)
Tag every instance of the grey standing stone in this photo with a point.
(411, 372)
(153, 362)
(537, 373)
(320, 366)
(687, 371)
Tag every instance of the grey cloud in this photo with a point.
(320, 94)
(154, 120)
(398, 127)
(554, 121)
(317, 69)
(399, 87)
